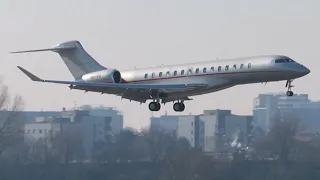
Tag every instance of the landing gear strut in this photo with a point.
(289, 86)
(179, 106)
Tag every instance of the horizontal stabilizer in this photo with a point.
(54, 49)
(115, 85)
(30, 75)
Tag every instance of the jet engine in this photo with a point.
(108, 75)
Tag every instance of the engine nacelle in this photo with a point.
(108, 75)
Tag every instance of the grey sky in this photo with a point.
(125, 33)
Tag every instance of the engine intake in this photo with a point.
(108, 75)
(116, 76)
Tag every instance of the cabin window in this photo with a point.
(204, 70)
(146, 76)
(197, 71)
(241, 66)
(182, 72)
(153, 75)
(212, 69)
(160, 74)
(249, 65)
(175, 73)
(234, 67)
(168, 73)
(227, 68)
(219, 68)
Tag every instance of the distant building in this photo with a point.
(267, 106)
(191, 128)
(238, 130)
(215, 130)
(101, 111)
(223, 130)
(91, 128)
(164, 123)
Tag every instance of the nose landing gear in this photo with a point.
(289, 86)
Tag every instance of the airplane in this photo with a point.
(170, 83)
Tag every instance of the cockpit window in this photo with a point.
(279, 61)
(284, 60)
(289, 60)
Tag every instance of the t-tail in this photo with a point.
(78, 61)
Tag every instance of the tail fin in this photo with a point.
(78, 61)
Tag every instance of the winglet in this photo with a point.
(30, 75)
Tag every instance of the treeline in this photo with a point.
(283, 153)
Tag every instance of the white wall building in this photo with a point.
(191, 128)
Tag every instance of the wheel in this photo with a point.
(178, 107)
(289, 93)
(182, 106)
(154, 106)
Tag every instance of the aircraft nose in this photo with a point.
(306, 70)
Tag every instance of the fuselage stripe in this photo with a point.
(193, 75)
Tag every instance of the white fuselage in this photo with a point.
(220, 74)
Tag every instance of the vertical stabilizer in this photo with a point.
(78, 61)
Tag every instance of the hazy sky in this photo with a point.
(125, 33)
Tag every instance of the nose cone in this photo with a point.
(302, 71)
(306, 70)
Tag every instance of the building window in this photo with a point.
(241, 66)
(34, 131)
(249, 65)
(227, 68)
(204, 70)
(212, 69)
(46, 131)
(153, 75)
(160, 74)
(190, 71)
(219, 68)
(234, 67)
(175, 73)
(168, 73)
(197, 71)
(182, 72)
(146, 76)
(40, 131)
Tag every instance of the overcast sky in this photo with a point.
(125, 33)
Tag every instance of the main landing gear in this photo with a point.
(154, 106)
(178, 106)
(289, 86)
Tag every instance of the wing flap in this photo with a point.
(115, 85)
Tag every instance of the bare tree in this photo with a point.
(158, 143)
(11, 121)
(62, 147)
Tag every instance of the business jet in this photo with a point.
(172, 83)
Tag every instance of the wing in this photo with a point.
(125, 89)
